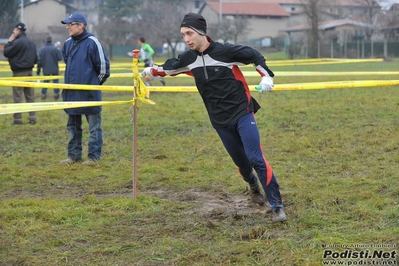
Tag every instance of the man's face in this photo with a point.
(74, 28)
(16, 32)
(192, 38)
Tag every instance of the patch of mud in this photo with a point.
(209, 204)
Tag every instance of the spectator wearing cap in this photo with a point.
(48, 59)
(85, 63)
(22, 56)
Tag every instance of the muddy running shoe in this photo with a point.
(278, 215)
(256, 196)
(56, 96)
(44, 96)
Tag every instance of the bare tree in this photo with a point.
(111, 33)
(372, 9)
(226, 30)
(241, 27)
(389, 21)
(115, 22)
(231, 29)
(312, 11)
(8, 17)
(160, 22)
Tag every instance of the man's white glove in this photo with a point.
(266, 84)
(147, 72)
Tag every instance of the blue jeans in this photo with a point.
(44, 90)
(74, 127)
(242, 141)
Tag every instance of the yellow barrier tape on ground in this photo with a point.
(45, 106)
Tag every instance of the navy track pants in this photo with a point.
(242, 141)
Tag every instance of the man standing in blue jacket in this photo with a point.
(86, 63)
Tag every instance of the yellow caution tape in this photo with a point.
(142, 93)
(45, 106)
(296, 86)
(349, 61)
(336, 85)
(287, 74)
(64, 86)
(320, 73)
(35, 78)
(245, 73)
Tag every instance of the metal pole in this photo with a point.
(372, 49)
(22, 11)
(220, 12)
(134, 158)
(318, 49)
(363, 49)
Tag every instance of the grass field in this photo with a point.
(335, 154)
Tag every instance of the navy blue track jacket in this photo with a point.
(85, 64)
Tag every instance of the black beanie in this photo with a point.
(194, 21)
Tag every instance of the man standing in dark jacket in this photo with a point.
(86, 63)
(22, 56)
(49, 55)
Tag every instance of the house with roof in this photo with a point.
(339, 30)
(266, 19)
(277, 18)
(43, 17)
